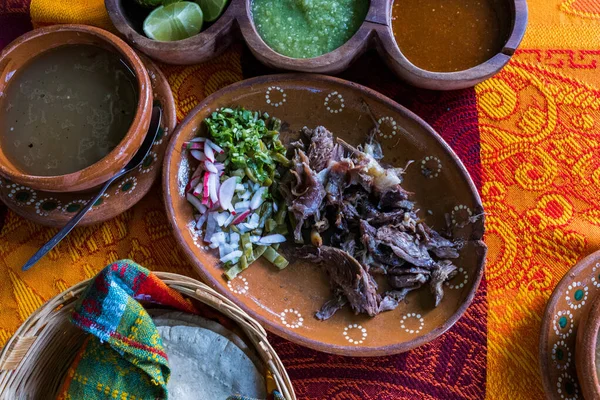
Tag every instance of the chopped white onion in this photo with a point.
(234, 237)
(198, 139)
(230, 219)
(196, 203)
(254, 238)
(211, 226)
(271, 239)
(242, 205)
(253, 221)
(258, 198)
(200, 221)
(231, 256)
(222, 218)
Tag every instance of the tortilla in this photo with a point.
(207, 365)
(164, 317)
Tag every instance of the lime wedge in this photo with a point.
(212, 9)
(175, 21)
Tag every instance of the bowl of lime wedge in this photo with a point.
(174, 32)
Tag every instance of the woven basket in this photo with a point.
(36, 358)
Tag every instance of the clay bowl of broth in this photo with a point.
(587, 351)
(434, 44)
(75, 105)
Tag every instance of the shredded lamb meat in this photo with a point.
(366, 225)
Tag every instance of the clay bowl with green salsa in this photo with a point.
(434, 44)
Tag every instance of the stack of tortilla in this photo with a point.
(207, 360)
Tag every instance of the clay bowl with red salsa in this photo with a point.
(434, 44)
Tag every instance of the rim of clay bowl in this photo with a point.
(332, 62)
(195, 49)
(585, 351)
(460, 79)
(280, 330)
(99, 172)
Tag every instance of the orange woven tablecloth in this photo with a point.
(531, 138)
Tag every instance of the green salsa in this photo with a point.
(307, 28)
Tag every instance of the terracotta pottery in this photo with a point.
(569, 304)
(585, 351)
(375, 32)
(56, 209)
(285, 301)
(23, 49)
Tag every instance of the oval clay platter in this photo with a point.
(569, 303)
(285, 301)
(56, 209)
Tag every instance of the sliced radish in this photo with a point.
(192, 183)
(210, 167)
(215, 147)
(232, 256)
(271, 239)
(205, 190)
(198, 172)
(226, 192)
(258, 198)
(240, 218)
(198, 189)
(192, 146)
(213, 188)
(198, 155)
(209, 152)
(198, 139)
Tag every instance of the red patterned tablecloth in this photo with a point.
(529, 137)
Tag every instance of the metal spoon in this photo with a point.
(134, 163)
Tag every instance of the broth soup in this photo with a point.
(66, 109)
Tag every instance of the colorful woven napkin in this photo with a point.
(124, 356)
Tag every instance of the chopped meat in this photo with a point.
(444, 272)
(336, 182)
(404, 246)
(346, 276)
(393, 198)
(440, 246)
(321, 147)
(331, 306)
(308, 192)
(363, 223)
(407, 280)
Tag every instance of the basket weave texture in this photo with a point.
(36, 358)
